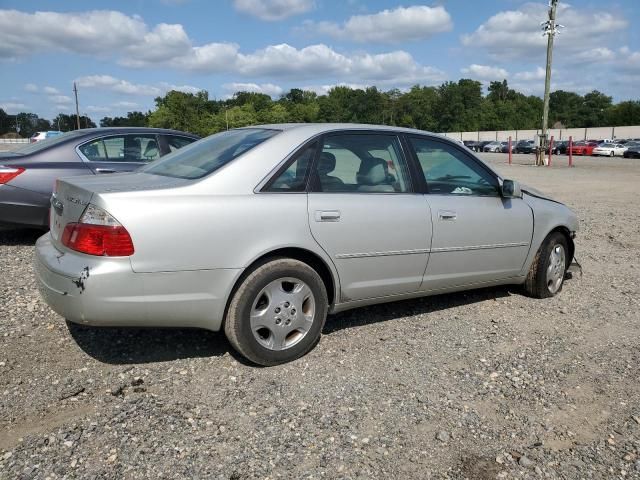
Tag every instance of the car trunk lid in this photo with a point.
(72, 195)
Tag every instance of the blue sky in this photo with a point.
(122, 54)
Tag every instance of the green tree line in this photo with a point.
(452, 106)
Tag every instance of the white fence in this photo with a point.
(594, 133)
(14, 140)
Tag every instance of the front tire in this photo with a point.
(277, 313)
(546, 275)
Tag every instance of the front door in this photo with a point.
(478, 236)
(364, 214)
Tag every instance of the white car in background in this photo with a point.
(609, 149)
(38, 136)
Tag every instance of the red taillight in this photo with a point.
(9, 173)
(100, 240)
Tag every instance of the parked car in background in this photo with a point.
(633, 150)
(560, 147)
(583, 148)
(470, 144)
(526, 146)
(609, 149)
(373, 214)
(505, 147)
(27, 175)
(492, 147)
(38, 136)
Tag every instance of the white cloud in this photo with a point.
(272, 10)
(324, 89)
(97, 109)
(60, 99)
(266, 88)
(389, 26)
(91, 32)
(538, 74)
(181, 88)
(107, 82)
(110, 33)
(125, 104)
(51, 91)
(13, 107)
(163, 42)
(516, 33)
(321, 61)
(31, 88)
(485, 72)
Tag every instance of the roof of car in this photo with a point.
(315, 128)
(132, 129)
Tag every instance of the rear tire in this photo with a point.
(546, 275)
(277, 313)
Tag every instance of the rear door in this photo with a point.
(478, 236)
(364, 213)
(119, 153)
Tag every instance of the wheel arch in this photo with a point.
(315, 261)
(564, 230)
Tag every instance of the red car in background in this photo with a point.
(582, 148)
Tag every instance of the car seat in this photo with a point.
(373, 176)
(326, 165)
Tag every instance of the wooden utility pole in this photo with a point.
(549, 28)
(75, 91)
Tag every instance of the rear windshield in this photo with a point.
(48, 142)
(209, 154)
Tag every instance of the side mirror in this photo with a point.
(511, 189)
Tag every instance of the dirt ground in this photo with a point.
(480, 385)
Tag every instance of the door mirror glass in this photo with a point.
(511, 189)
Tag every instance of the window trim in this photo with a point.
(312, 186)
(471, 158)
(102, 137)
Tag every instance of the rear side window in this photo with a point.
(122, 148)
(362, 163)
(208, 155)
(176, 143)
(294, 177)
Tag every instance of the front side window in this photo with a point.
(122, 148)
(361, 163)
(208, 155)
(448, 171)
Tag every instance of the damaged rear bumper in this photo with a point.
(105, 291)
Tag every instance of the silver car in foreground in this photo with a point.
(262, 231)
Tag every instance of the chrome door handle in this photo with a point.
(327, 215)
(447, 215)
(105, 170)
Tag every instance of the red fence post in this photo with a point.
(509, 149)
(550, 150)
(570, 147)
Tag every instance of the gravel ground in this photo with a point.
(481, 385)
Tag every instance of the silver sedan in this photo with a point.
(263, 231)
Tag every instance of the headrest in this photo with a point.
(373, 171)
(151, 150)
(326, 163)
